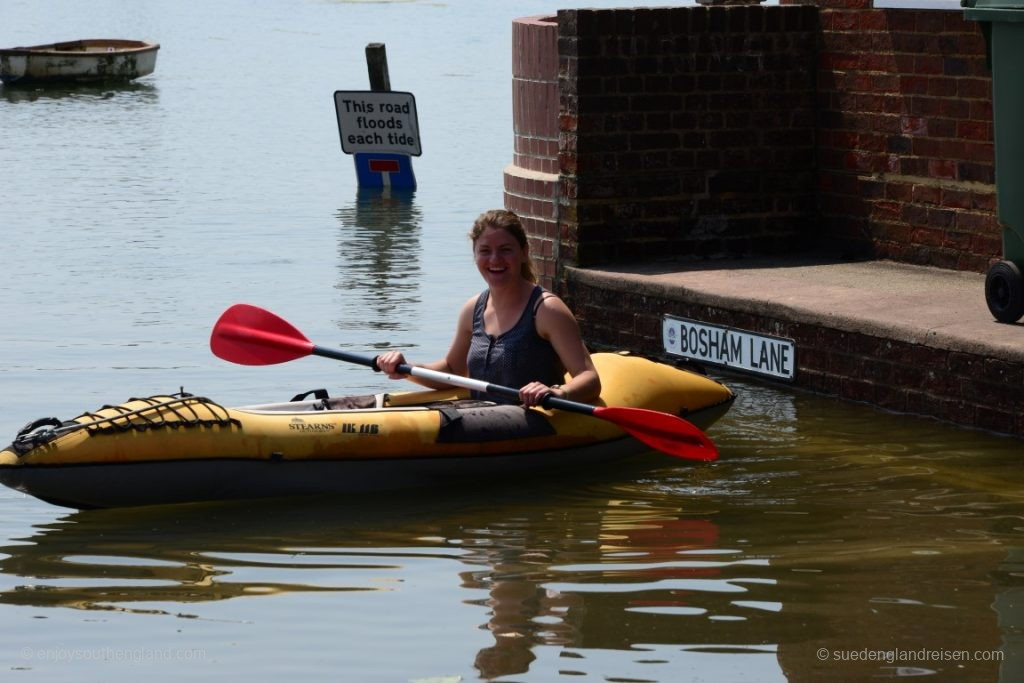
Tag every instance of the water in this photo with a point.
(832, 541)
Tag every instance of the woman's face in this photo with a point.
(499, 258)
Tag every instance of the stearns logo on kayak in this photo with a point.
(297, 424)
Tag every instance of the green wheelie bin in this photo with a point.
(1002, 22)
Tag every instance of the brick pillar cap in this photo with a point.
(542, 19)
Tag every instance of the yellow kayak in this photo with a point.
(180, 448)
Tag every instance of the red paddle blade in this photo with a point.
(250, 335)
(664, 432)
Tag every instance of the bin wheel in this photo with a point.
(1004, 292)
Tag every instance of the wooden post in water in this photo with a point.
(386, 128)
(377, 65)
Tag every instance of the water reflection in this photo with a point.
(633, 570)
(378, 260)
(116, 559)
(547, 576)
(138, 92)
(568, 573)
(1009, 605)
(669, 581)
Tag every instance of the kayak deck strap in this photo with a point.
(175, 410)
(155, 414)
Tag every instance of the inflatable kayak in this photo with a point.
(181, 447)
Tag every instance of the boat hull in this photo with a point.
(79, 61)
(183, 448)
(189, 480)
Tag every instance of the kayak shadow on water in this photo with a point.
(187, 552)
(551, 563)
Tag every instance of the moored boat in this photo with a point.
(182, 448)
(78, 61)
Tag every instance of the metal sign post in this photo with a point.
(379, 128)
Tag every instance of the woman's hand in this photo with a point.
(388, 361)
(533, 393)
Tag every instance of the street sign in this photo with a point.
(377, 121)
(377, 169)
(726, 346)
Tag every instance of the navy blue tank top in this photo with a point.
(515, 358)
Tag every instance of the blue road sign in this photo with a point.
(379, 169)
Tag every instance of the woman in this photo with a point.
(514, 333)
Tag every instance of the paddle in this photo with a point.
(250, 335)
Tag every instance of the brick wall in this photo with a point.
(680, 132)
(685, 131)
(716, 131)
(905, 151)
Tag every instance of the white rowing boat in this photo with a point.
(78, 61)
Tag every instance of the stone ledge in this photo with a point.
(906, 338)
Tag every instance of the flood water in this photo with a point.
(831, 541)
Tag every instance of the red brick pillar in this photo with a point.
(531, 180)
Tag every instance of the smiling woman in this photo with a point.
(513, 333)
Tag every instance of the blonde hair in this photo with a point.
(509, 222)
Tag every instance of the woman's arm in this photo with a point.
(556, 323)
(453, 363)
